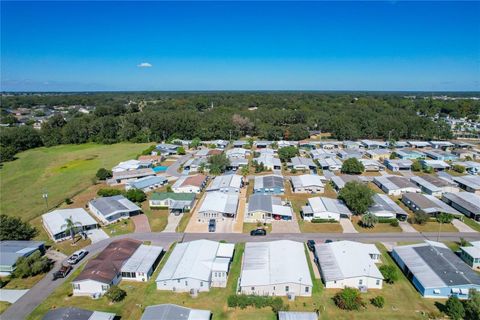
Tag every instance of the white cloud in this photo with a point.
(144, 65)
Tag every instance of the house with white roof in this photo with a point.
(325, 208)
(469, 183)
(146, 184)
(275, 268)
(196, 266)
(54, 222)
(218, 205)
(350, 153)
(269, 162)
(307, 183)
(471, 254)
(321, 154)
(332, 164)
(341, 180)
(193, 165)
(229, 183)
(384, 207)
(111, 209)
(350, 264)
(436, 165)
(132, 165)
(301, 163)
(418, 144)
(265, 208)
(237, 153)
(297, 315)
(371, 165)
(395, 185)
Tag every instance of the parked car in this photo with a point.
(77, 256)
(62, 272)
(212, 225)
(328, 241)
(258, 232)
(311, 245)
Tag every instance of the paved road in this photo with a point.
(172, 169)
(27, 303)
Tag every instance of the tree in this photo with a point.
(444, 218)
(389, 273)
(218, 163)
(352, 166)
(428, 169)
(245, 171)
(32, 265)
(416, 166)
(369, 220)
(181, 151)
(136, 195)
(13, 228)
(393, 155)
(104, 174)
(115, 294)
(70, 225)
(196, 142)
(454, 308)
(348, 299)
(357, 196)
(458, 168)
(421, 217)
(287, 153)
(472, 305)
(378, 301)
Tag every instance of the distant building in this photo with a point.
(378, 154)
(435, 271)
(349, 153)
(410, 154)
(349, 264)
(395, 185)
(370, 144)
(196, 266)
(325, 208)
(275, 268)
(398, 165)
(12, 250)
(441, 155)
(427, 204)
(371, 165)
(132, 165)
(265, 208)
(321, 154)
(418, 144)
(123, 177)
(174, 312)
(307, 183)
(54, 222)
(471, 254)
(269, 184)
(111, 209)
(237, 153)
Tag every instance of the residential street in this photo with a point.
(172, 169)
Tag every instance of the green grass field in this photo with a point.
(61, 171)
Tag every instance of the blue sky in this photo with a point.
(76, 46)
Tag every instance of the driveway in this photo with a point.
(406, 174)
(97, 235)
(141, 223)
(406, 227)
(173, 222)
(11, 295)
(461, 226)
(347, 226)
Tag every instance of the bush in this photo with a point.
(109, 192)
(103, 174)
(348, 299)
(243, 301)
(416, 166)
(454, 308)
(352, 166)
(13, 228)
(32, 265)
(421, 217)
(136, 195)
(369, 220)
(317, 220)
(115, 294)
(68, 201)
(444, 217)
(181, 151)
(378, 301)
(389, 273)
(458, 168)
(394, 223)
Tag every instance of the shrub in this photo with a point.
(444, 217)
(394, 223)
(136, 195)
(68, 201)
(458, 168)
(32, 265)
(454, 308)
(243, 301)
(421, 217)
(109, 192)
(369, 220)
(389, 273)
(181, 151)
(103, 174)
(416, 166)
(348, 299)
(378, 301)
(317, 220)
(115, 294)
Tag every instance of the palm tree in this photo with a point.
(369, 220)
(71, 225)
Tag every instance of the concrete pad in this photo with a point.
(173, 221)
(97, 235)
(406, 227)
(11, 295)
(141, 223)
(461, 226)
(347, 226)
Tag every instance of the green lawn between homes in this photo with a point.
(62, 171)
(3, 306)
(402, 300)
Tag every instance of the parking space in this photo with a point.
(97, 235)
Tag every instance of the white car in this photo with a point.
(77, 256)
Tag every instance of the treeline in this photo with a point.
(151, 117)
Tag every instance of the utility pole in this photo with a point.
(45, 197)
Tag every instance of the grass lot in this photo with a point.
(61, 171)
(374, 187)
(182, 225)
(120, 227)
(379, 227)
(158, 219)
(249, 226)
(434, 226)
(3, 306)
(25, 283)
(472, 223)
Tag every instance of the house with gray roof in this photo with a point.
(340, 181)
(174, 312)
(433, 185)
(332, 164)
(71, 313)
(325, 208)
(435, 271)
(193, 165)
(301, 163)
(440, 155)
(410, 154)
(471, 167)
(218, 205)
(350, 153)
(112, 209)
(269, 184)
(371, 144)
(12, 250)
(175, 202)
(396, 165)
(465, 202)
(371, 165)
(321, 154)
(146, 184)
(307, 183)
(428, 204)
(469, 183)
(436, 165)
(239, 143)
(297, 315)
(124, 177)
(228, 183)
(269, 161)
(384, 207)
(275, 268)
(196, 266)
(265, 208)
(395, 185)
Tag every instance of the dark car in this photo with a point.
(311, 245)
(328, 241)
(62, 272)
(258, 232)
(212, 225)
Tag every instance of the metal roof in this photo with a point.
(71, 313)
(384, 204)
(108, 206)
(430, 182)
(174, 312)
(55, 221)
(300, 161)
(143, 259)
(268, 182)
(323, 204)
(220, 202)
(192, 259)
(268, 160)
(306, 180)
(429, 204)
(466, 200)
(434, 265)
(268, 203)
(297, 315)
(341, 180)
(399, 163)
(225, 181)
(330, 162)
(147, 182)
(436, 164)
(264, 263)
(472, 182)
(173, 196)
(347, 259)
(473, 250)
(394, 182)
(11, 250)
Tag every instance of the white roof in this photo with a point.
(436, 163)
(306, 180)
(225, 181)
(347, 259)
(330, 162)
(323, 204)
(143, 259)
(54, 220)
(190, 260)
(473, 250)
(220, 202)
(268, 160)
(265, 263)
(130, 165)
(225, 250)
(221, 264)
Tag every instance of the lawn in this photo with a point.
(249, 226)
(25, 283)
(434, 226)
(3, 306)
(182, 225)
(60, 171)
(472, 223)
(158, 219)
(120, 227)
(379, 227)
